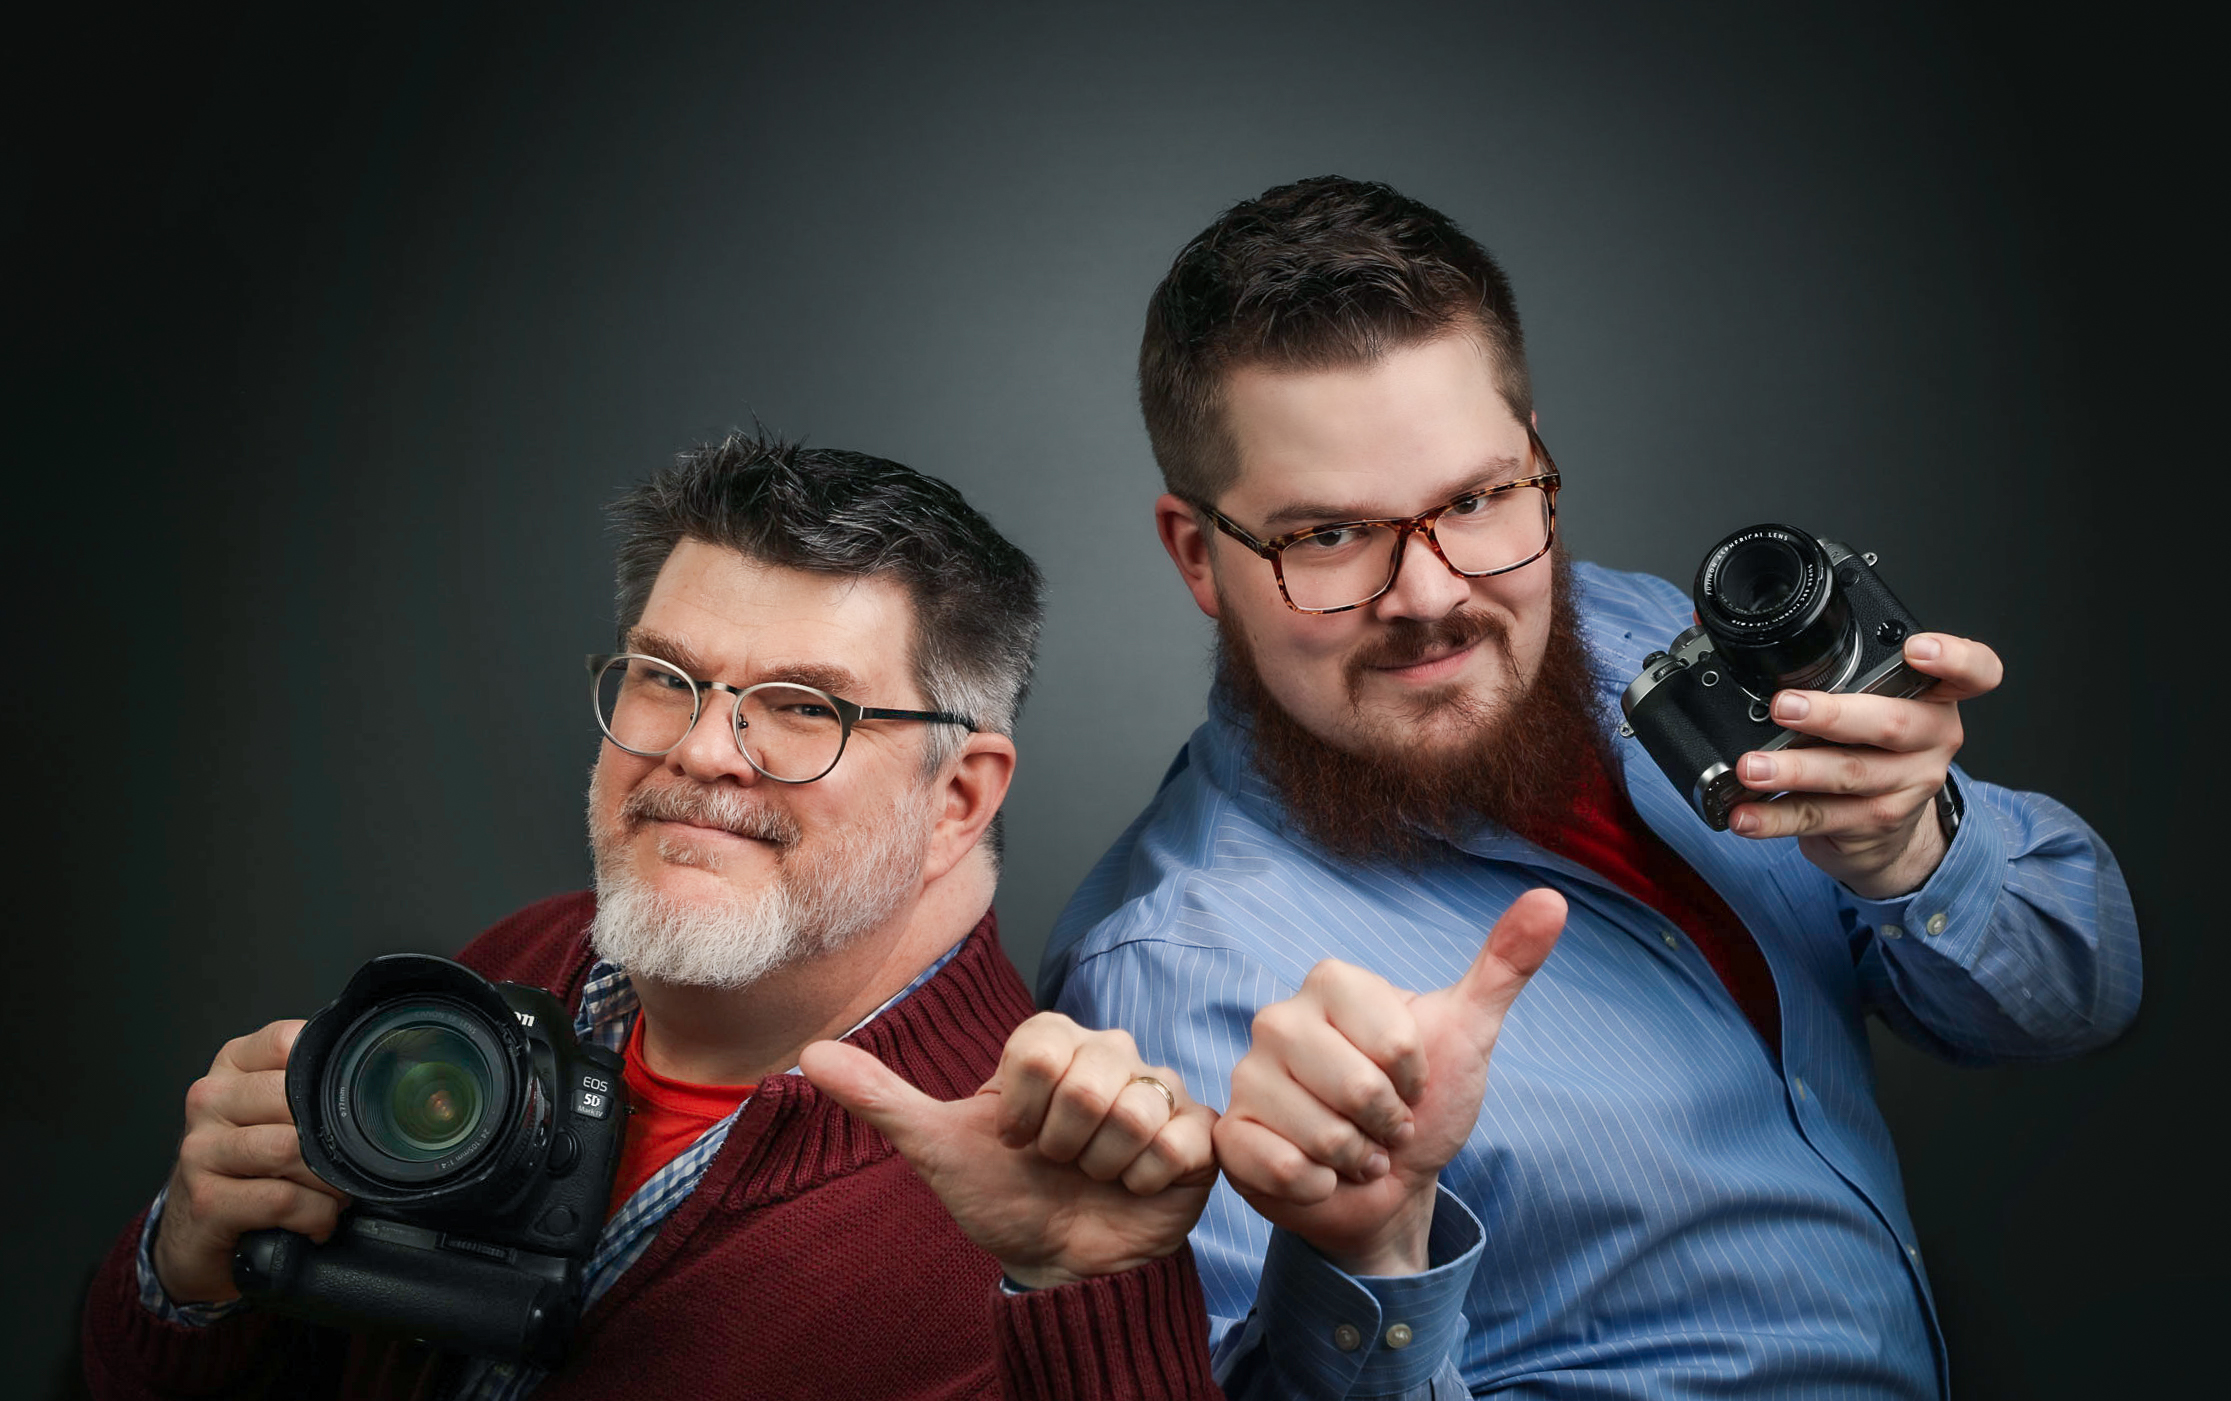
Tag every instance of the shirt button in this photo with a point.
(1913, 1252)
(1936, 923)
(1892, 931)
(1671, 942)
(1347, 1337)
(1797, 1083)
(1399, 1335)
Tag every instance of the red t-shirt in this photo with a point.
(1606, 834)
(666, 1117)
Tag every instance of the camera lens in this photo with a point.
(1758, 580)
(1768, 597)
(419, 1091)
(416, 1092)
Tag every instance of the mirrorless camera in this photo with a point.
(1777, 609)
(479, 1141)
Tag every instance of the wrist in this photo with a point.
(1399, 1247)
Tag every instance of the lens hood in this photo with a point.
(342, 1138)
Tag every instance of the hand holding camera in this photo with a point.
(239, 1169)
(1807, 683)
(1861, 804)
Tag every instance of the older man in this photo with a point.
(806, 744)
(1680, 1184)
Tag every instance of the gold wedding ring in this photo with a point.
(1169, 1096)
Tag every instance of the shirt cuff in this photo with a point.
(1336, 1334)
(151, 1294)
(1951, 913)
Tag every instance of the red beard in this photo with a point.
(1519, 766)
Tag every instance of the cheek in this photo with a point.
(615, 776)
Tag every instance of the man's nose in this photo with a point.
(1423, 586)
(709, 751)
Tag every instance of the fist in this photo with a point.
(1065, 1166)
(1355, 1094)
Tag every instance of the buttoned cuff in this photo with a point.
(1329, 1333)
(1951, 913)
(152, 1296)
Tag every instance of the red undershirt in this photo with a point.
(1606, 834)
(666, 1117)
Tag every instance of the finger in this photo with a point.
(1322, 1060)
(264, 1049)
(1516, 947)
(263, 1150)
(873, 1093)
(1033, 1062)
(1837, 768)
(1879, 722)
(229, 1098)
(1826, 815)
(256, 1204)
(1183, 1153)
(1138, 1114)
(1260, 1163)
(1099, 1075)
(1964, 668)
(1372, 1015)
(1264, 1093)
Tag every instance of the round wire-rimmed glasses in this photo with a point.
(1334, 568)
(790, 732)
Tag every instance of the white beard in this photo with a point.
(827, 891)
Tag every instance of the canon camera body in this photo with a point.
(479, 1141)
(1777, 609)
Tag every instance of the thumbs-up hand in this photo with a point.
(1066, 1165)
(1355, 1094)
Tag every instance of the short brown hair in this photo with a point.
(1313, 275)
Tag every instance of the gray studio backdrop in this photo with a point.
(402, 308)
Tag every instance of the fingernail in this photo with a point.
(1924, 648)
(1376, 1166)
(1743, 820)
(1757, 768)
(1789, 705)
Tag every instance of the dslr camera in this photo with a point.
(1776, 609)
(479, 1140)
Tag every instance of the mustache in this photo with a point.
(1408, 641)
(725, 808)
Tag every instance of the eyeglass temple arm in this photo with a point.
(932, 717)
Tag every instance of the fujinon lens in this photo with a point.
(1768, 597)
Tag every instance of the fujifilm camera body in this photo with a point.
(1777, 608)
(479, 1141)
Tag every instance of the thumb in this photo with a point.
(1515, 948)
(872, 1092)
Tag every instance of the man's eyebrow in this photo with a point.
(1302, 513)
(822, 676)
(666, 649)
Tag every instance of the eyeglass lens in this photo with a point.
(787, 732)
(1479, 535)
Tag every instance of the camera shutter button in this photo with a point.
(1891, 633)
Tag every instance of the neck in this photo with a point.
(738, 1036)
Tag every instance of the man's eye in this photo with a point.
(1472, 505)
(1337, 538)
(669, 680)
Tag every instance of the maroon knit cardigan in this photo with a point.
(809, 1262)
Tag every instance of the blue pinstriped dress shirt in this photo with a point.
(1649, 1205)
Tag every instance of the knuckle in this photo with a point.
(202, 1097)
(1851, 772)
(1331, 1144)
(1358, 1092)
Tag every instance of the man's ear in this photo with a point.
(970, 791)
(1188, 545)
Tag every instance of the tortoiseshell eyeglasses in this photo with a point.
(1333, 568)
